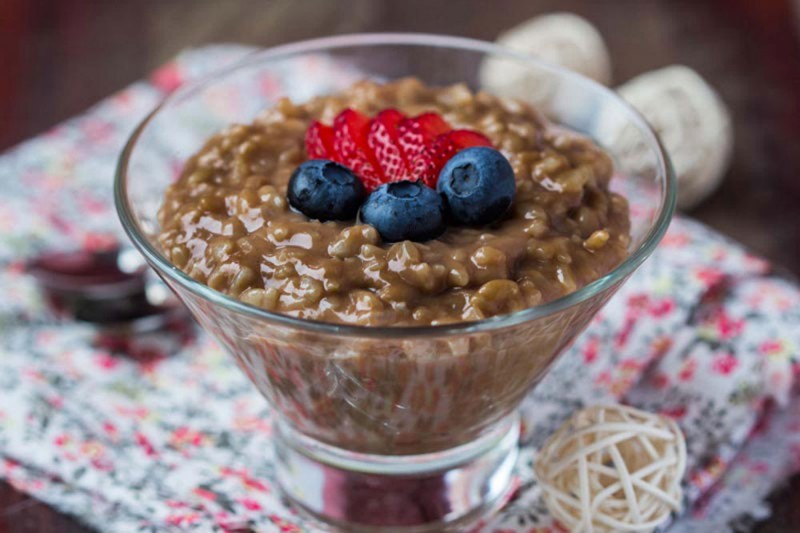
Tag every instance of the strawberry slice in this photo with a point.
(350, 147)
(415, 134)
(429, 163)
(319, 141)
(382, 139)
(390, 147)
(467, 138)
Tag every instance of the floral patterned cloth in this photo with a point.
(702, 332)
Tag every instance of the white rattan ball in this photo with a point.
(613, 468)
(560, 38)
(691, 119)
(563, 39)
(693, 123)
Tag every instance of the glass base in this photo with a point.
(439, 491)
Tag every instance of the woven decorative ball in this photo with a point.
(560, 38)
(563, 39)
(693, 123)
(613, 468)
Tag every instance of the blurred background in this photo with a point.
(58, 57)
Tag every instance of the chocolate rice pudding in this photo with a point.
(226, 221)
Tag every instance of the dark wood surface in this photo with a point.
(60, 56)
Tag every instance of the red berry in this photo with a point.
(383, 141)
(427, 165)
(351, 148)
(467, 138)
(390, 147)
(415, 134)
(319, 141)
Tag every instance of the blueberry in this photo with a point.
(478, 185)
(325, 190)
(406, 210)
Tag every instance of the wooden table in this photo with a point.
(61, 56)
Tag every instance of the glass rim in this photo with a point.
(165, 268)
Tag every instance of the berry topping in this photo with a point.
(319, 141)
(427, 165)
(325, 190)
(382, 139)
(415, 134)
(390, 147)
(351, 148)
(478, 185)
(406, 210)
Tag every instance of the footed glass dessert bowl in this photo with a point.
(394, 368)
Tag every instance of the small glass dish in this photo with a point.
(381, 428)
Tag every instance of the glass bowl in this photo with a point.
(381, 427)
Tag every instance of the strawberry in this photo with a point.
(467, 138)
(351, 149)
(319, 141)
(390, 147)
(427, 165)
(382, 139)
(415, 134)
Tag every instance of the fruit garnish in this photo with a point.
(390, 147)
(406, 210)
(478, 185)
(325, 190)
(428, 164)
(350, 147)
(383, 140)
(416, 134)
(319, 141)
